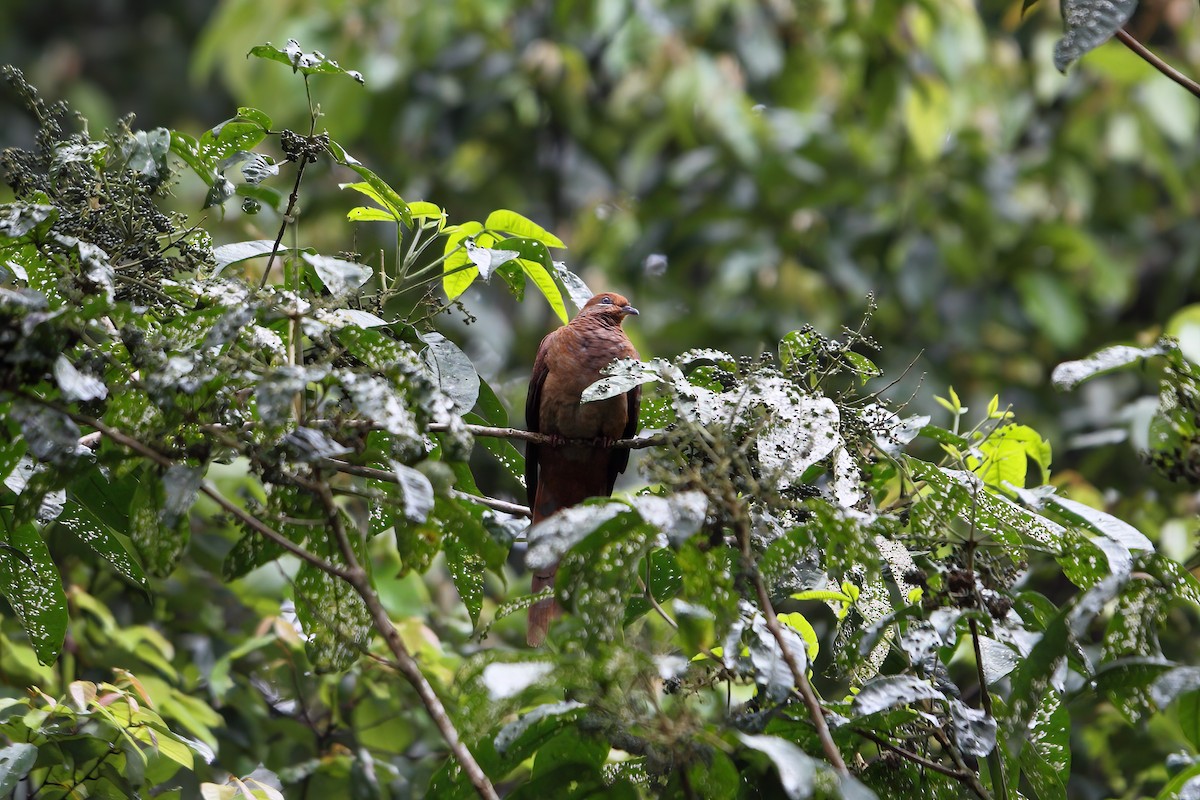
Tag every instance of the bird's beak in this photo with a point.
(629, 311)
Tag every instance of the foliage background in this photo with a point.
(738, 169)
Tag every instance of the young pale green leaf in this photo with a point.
(513, 224)
(546, 285)
(377, 189)
(457, 270)
(30, 582)
(367, 214)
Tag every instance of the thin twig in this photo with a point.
(405, 663)
(799, 675)
(250, 521)
(964, 776)
(387, 476)
(1126, 38)
(636, 443)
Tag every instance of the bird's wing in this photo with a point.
(533, 407)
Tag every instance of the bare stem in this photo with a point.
(799, 675)
(963, 776)
(1126, 38)
(636, 443)
(357, 577)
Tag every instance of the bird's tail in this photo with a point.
(542, 612)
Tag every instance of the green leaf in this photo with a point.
(504, 451)
(1006, 452)
(469, 551)
(380, 191)
(541, 278)
(797, 769)
(1089, 24)
(451, 370)
(159, 543)
(664, 582)
(513, 224)
(340, 277)
(365, 214)
(16, 761)
(30, 582)
(1070, 374)
(98, 513)
(457, 270)
(314, 63)
(333, 615)
(1046, 757)
(392, 205)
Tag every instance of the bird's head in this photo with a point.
(609, 307)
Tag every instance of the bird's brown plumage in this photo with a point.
(557, 476)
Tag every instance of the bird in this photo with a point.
(562, 474)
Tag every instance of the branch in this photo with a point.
(636, 443)
(252, 522)
(799, 675)
(1126, 38)
(963, 776)
(357, 577)
(390, 477)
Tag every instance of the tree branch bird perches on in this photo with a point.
(557, 476)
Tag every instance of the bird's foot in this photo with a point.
(557, 440)
(604, 442)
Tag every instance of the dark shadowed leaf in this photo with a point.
(895, 690)
(310, 445)
(974, 730)
(416, 493)
(451, 370)
(797, 769)
(31, 584)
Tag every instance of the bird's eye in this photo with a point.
(606, 301)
